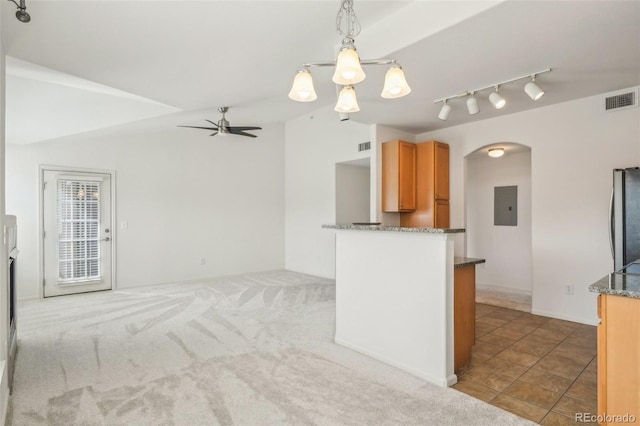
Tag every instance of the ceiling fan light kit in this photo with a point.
(223, 128)
(21, 13)
(531, 89)
(348, 68)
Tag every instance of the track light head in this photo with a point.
(444, 111)
(533, 90)
(497, 100)
(472, 104)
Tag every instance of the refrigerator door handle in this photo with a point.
(611, 230)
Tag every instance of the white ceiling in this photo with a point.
(195, 56)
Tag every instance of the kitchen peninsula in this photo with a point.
(618, 346)
(395, 296)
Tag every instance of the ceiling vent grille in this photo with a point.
(621, 100)
(364, 146)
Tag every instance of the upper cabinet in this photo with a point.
(441, 170)
(398, 176)
(432, 187)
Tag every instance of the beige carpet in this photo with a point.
(503, 298)
(247, 350)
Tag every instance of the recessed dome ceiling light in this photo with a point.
(496, 152)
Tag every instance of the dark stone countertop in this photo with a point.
(617, 284)
(461, 262)
(394, 229)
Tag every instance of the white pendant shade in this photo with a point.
(347, 101)
(348, 68)
(444, 112)
(497, 100)
(395, 84)
(533, 90)
(472, 105)
(302, 89)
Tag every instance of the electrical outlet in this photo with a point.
(568, 289)
(203, 260)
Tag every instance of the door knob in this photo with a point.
(106, 239)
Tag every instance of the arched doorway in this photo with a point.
(498, 223)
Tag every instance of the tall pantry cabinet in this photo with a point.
(398, 176)
(432, 187)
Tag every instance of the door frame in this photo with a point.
(114, 239)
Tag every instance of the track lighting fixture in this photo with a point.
(348, 68)
(531, 88)
(22, 14)
(444, 111)
(472, 104)
(496, 99)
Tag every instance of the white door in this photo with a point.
(77, 234)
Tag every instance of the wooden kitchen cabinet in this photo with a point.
(398, 176)
(441, 214)
(464, 315)
(618, 356)
(432, 187)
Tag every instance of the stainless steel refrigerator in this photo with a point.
(624, 222)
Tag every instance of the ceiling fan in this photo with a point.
(223, 127)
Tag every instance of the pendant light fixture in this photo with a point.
(395, 85)
(531, 89)
(348, 68)
(302, 89)
(347, 101)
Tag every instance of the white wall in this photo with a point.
(575, 145)
(185, 195)
(4, 302)
(314, 144)
(353, 188)
(507, 249)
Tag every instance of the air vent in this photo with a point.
(621, 100)
(364, 146)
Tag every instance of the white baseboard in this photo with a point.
(4, 391)
(442, 382)
(587, 321)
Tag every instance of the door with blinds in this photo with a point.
(77, 235)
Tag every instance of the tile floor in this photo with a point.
(539, 368)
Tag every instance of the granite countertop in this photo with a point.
(394, 229)
(617, 284)
(460, 262)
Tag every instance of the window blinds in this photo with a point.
(78, 207)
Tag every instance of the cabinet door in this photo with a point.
(407, 176)
(441, 167)
(441, 214)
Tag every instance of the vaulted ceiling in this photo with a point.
(83, 65)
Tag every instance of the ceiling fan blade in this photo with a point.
(245, 128)
(215, 124)
(234, 131)
(196, 127)
(214, 133)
